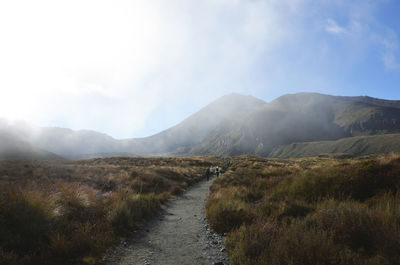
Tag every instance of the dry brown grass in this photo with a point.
(309, 211)
(72, 212)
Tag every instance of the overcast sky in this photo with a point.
(134, 68)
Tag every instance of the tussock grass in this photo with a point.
(309, 211)
(72, 212)
(227, 209)
(130, 209)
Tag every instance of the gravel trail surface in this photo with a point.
(180, 235)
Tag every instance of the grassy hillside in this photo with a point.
(309, 211)
(360, 145)
(72, 212)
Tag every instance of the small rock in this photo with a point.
(222, 249)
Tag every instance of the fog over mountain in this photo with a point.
(231, 125)
(181, 138)
(13, 148)
(303, 117)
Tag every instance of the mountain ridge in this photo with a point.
(237, 124)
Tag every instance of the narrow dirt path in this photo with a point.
(180, 236)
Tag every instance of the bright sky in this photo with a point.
(134, 68)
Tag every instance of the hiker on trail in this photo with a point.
(208, 173)
(217, 171)
(211, 170)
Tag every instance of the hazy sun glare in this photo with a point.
(133, 68)
(55, 49)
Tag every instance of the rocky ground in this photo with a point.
(179, 236)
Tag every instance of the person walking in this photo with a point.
(211, 170)
(208, 173)
(217, 171)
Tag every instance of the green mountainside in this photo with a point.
(357, 146)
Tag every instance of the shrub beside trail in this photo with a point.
(72, 212)
(309, 211)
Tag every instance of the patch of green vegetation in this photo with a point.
(352, 146)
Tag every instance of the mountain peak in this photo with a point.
(231, 102)
(236, 97)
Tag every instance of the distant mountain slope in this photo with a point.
(62, 141)
(69, 143)
(13, 148)
(173, 141)
(300, 118)
(193, 130)
(231, 125)
(359, 145)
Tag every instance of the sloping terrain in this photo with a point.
(193, 130)
(176, 140)
(359, 145)
(13, 148)
(61, 141)
(234, 124)
(300, 118)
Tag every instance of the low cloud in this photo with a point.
(332, 27)
(388, 44)
(122, 66)
(390, 61)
